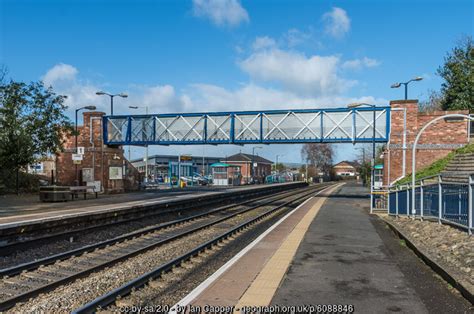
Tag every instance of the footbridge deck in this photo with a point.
(332, 125)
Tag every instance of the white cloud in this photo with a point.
(254, 97)
(295, 37)
(315, 75)
(357, 64)
(59, 72)
(221, 12)
(263, 43)
(160, 98)
(337, 23)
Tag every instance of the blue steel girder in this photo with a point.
(332, 125)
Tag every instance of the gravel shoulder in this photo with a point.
(449, 247)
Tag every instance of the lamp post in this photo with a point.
(372, 179)
(102, 93)
(397, 85)
(146, 146)
(276, 164)
(75, 136)
(253, 157)
(363, 160)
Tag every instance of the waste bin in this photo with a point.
(54, 193)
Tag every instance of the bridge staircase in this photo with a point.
(459, 169)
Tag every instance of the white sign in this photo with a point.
(80, 150)
(77, 157)
(115, 173)
(87, 174)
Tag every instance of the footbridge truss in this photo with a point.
(335, 125)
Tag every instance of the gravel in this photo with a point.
(73, 295)
(56, 246)
(448, 246)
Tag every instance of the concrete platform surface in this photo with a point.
(350, 257)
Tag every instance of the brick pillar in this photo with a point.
(393, 158)
(97, 156)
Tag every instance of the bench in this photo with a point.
(76, 190)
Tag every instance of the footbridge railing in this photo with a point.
(332, 125)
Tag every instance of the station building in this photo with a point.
(162, 167)
(261, 166)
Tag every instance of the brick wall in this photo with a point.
(261, 171)
(450, 135)
(97, 156)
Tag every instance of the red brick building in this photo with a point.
(346, 169)
(103, 165)
(262, 169)
(436, 142)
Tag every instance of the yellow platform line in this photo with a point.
(262, 289)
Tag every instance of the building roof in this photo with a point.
(346, 163)
(172, 157)
(221, 164)
(241, 157)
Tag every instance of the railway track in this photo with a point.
(18, 238)
(187, 260)
(28, 280)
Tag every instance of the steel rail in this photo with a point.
(110, 297)
(214, 199)
(88, 248)
(8, 303)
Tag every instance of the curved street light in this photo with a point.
(413, 158)
(102, 93)
(397, 85)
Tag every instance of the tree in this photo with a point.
(319, 155)
(434, 102)
(32, 123)
(458, 73)
(278, 167)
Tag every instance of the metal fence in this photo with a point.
(450, 203)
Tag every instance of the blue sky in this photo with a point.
(210, 55)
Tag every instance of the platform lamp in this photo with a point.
(102, 93)
(276, 164)
(397, 85)
(372, 179)
(76, 133)
(253, 157)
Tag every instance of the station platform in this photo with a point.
(27, 208)
(328, 251)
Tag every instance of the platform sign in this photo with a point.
(77, 157)
(185, 157)
(80, 150)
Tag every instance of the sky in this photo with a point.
(230, 55)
